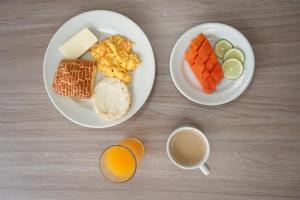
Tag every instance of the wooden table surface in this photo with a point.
(255, 140)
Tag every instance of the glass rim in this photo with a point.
(135, 161)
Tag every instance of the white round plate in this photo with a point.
(102, 23)
(184, 78)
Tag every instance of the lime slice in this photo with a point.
(221, 47)
(232, 68)
(234, 53)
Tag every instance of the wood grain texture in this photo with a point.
(255, 140)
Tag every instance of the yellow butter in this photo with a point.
(78, 44)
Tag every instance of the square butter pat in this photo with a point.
(78, 44)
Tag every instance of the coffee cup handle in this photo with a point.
(205, 169)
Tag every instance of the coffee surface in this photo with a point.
(188, 147)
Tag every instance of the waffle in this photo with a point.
(75, 78)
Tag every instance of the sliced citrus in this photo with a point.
(222, 46)
(234, 53)
(232, 68)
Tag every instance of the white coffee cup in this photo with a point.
(201, 164)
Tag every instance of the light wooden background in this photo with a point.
(255, 140)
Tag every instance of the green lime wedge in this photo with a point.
(221, 47)
(234, 53)
(232, 68)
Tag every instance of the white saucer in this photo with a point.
(184, 78)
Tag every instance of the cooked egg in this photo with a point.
(115, 57)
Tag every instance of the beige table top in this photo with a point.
(255, 140)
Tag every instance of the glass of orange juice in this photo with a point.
(118, 162)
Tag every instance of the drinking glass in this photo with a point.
(118, 163)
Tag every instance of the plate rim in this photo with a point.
(233, 97)
(125, 118)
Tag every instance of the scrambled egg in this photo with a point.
(115, 57)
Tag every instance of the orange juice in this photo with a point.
(118, 163)
(136, 146)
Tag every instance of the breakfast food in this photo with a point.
(234, 53)
(222, 46)
(233, 59)
(115, 57)
(232, 68)
(78, 44)
(111, 99)
(204, 63)
(75, 78)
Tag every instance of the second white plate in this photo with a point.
(184, 78)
